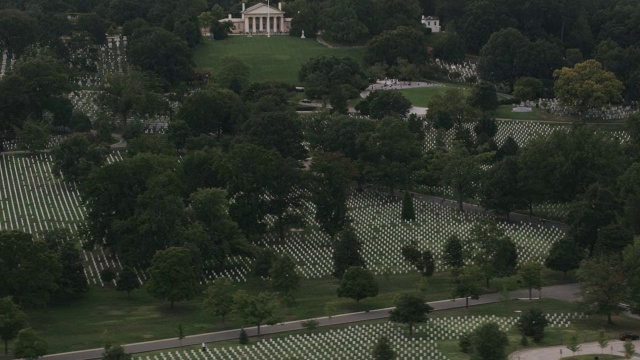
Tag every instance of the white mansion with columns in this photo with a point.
(260, 19)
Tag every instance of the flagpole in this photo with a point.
(268, 19)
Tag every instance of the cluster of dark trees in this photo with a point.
(56, 49)
(35, 273)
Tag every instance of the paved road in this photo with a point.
(615, 347)
(562, 292)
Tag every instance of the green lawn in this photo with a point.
(106, 315)
(505, 112)
(276, 58)
(421, 96)
(450, 348)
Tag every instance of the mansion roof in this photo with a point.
(262, 9)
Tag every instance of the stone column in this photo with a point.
(282, 23)
(261, 24)
(246, 24)
(268, 24)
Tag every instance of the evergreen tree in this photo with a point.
(346, 252)
(453, 252)
(408, 214)
(383, 350)
(532, 323)
(127, 281)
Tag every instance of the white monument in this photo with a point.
(302, 36)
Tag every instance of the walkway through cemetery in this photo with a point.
(568, 292)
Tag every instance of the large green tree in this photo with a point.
(462, 172)
(12, 320)
(341, 23)
(532, 323)
(587, 86)
(212, 111)
(329, 185)
(323, 76)
(72, 282)
(34, 86)
(127, 281)
(358, 283)
(17, 30)
(136, 228)
(131, 94)
(255, 309)
(493, 251)
(531, 276)
(403, 42)
(276, 130)
(499, 56)
(157, 50)
(171, 275)
(603, 284)
(466, 282)
(346, 252)
(251, 172)
(28, 269)
(284, 276)
(219, 298)
(453, 252)
(592, 211)
(380, 104)
(75, 157)
(629, 184)
(565, 255)
(211, 230)
(501, 187)
(488, 342)
(392, 153)
(29, 345)
(410, 309)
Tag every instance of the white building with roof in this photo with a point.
(432, 23)
(260, 19)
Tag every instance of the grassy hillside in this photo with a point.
(276, 58)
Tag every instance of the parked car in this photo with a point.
(629, 336)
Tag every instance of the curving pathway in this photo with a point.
(567, 292)
(615, 347)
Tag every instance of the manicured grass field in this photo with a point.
(421, 96)
(104, 314)
(277, 58)
(107, 315)
(450, 347)
(505, 112)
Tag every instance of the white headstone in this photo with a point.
(302, 36)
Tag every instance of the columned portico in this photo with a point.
(260, 18)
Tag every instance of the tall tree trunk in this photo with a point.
(258, 327)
